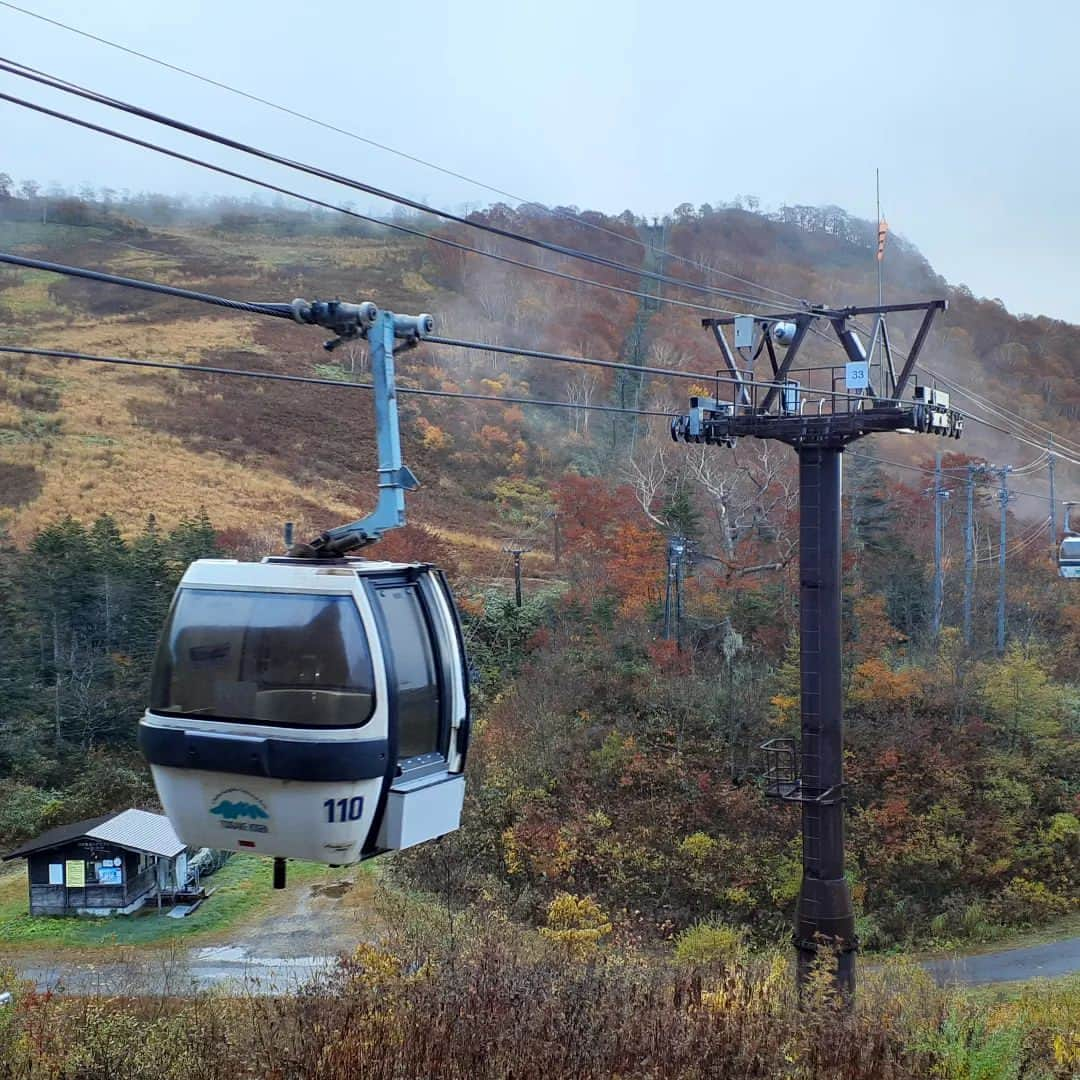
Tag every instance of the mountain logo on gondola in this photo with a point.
(239, 809)
(234, 810)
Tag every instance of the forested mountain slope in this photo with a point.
(80, 439)
(614, 775)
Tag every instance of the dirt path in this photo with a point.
(295, 941)
(322, 919)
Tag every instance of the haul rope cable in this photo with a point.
(199, 369)
(1069, 444)
(59, 85)
(999, 411)
(812, 392)
(1003, 414)
(395, 226)
(287, 311)
(307, 118)
(281, 311)
(1019, 437)
(24, 71)
(202, 369)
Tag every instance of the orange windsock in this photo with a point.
(882, 232)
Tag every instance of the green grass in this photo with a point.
(17, 233)
(333, 371)
(999, 939)
(1003, 993)
(243, 888)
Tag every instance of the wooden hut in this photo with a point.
(110, 865)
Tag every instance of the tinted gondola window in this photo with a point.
(295, 659)
(414, 670)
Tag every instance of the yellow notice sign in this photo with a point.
(75, 870)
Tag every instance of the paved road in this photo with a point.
(180, 974)
(236, 969)
(1010, 965)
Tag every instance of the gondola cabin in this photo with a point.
(1069, 557)
(309, 709)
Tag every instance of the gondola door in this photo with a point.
(427, 706)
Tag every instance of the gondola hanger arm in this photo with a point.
(386, 333)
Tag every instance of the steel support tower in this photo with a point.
(818, 424)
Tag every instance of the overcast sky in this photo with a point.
(969, 109)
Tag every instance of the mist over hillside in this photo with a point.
(260, 453)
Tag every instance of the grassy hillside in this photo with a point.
(78, 439)
(608, 764)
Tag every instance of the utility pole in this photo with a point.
(969, 551)
(1003, 500)
(667, 594)
(680, 553)
(940, 494)
(517, 552)
(817, 425)
(676, 549)
(1053, 501)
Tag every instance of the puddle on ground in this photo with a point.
(335, 890)
(235, 954)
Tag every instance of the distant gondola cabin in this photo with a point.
(1069, 559)
(111, 865)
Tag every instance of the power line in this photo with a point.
(1028, 537)
(1035, 465)
(23, 71)
(930, 472)
(202, 369)
(307, 118)
(312, 200)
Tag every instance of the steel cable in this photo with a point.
(205, 369)
(312, 200)
(308, 118)
(280, 311)
(24, 71)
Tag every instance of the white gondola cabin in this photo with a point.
(310, 709)
(1069, 557)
